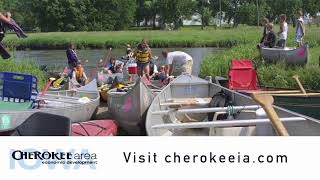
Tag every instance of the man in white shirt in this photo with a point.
(177, 63)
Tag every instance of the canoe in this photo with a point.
(129, 108)
(307, 104)
(181, 109)
(95, 128)
(299, 56)
(78, 106)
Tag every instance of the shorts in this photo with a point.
(183, 69)
(141, 66)
(282, 43)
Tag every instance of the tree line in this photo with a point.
(102, 15)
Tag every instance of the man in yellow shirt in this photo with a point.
(143, 55)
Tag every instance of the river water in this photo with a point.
(56, 59)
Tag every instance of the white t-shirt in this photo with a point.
(178, 57)
(284, 34)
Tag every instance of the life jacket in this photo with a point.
(143, 56)
(79, 73)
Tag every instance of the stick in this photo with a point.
(206, 110)
(296, 77)
(222, 124)
(266, 101)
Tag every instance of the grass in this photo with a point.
(243, 41)
(25, 67)
(277, 75)
(187, 37)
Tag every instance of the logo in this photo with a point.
(31, 159)
(5, 122)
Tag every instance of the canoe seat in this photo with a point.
(15, 106)
(43, 124)
(186, 102)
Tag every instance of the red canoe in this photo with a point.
(95, 128)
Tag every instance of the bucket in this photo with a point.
(133, 68)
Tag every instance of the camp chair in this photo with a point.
(243, 75)
(43, 124)
(17, 91)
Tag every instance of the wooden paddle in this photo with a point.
(266, 101)
(296, 77)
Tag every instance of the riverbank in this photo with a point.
(278, 75)
(26, 67)
(186, 37)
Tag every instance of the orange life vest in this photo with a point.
(79, 73)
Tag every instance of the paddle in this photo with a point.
(107, 57)
(266, 101)
(296, 77)
(46, 89)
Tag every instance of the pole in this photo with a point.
(258, 13)
(220, 13)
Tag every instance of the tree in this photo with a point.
(203, 9)
(174, 11)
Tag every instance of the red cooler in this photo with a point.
(133, 68)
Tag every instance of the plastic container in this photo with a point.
(133, 68)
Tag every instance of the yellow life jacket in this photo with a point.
(143, 56)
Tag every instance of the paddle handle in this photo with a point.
(276, 122)
(300, 85)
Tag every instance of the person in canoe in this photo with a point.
(264, 22)
(72, 56)
(114, 66)
(129, 53)
(177, 63)
(143, 55)
(79, 74)
(153, 70)
(270, 40)
(283, 33)
(300, 31)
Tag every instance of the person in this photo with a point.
(283, 33)
(3, 51)
(72, 56)
(111, 67)
(300, 31)
(265, 21)
(143, 55)
(177, 63)
(153, 70)
(129, 53)
(79, 74)
(270, 40)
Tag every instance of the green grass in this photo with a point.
(277, 75)
(26, 67)
(187, 37)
